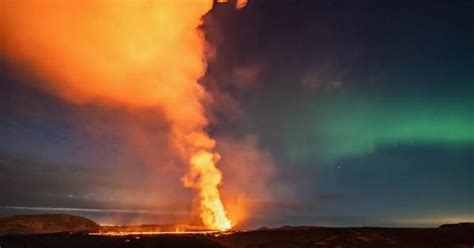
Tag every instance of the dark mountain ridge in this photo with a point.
(45, 223)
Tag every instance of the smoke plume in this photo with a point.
(136, 54)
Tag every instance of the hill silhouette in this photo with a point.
(46, 223)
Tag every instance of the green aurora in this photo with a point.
(337, 128)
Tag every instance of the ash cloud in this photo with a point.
(128, 106)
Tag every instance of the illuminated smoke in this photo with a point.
(239, 4)
(130, 53)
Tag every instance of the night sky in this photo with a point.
(364, 109)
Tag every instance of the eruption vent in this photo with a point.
(131, 53)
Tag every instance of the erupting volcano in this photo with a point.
(227, 123)
(137, 54)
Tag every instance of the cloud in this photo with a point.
(325, 77)
(87, 210)
(246, 77)
(86, 186)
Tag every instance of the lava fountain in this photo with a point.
(131, 53)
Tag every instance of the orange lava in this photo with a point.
(213, 233)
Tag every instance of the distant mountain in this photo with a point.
(46, 223)
(464, 225)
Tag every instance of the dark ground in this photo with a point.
(459, 236)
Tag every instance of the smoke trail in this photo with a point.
(130, 53)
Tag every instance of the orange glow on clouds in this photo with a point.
(130, 53)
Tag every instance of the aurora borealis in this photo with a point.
(360, 126)
(363, 109)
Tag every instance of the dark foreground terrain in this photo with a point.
(59, 230)
(459, 236)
